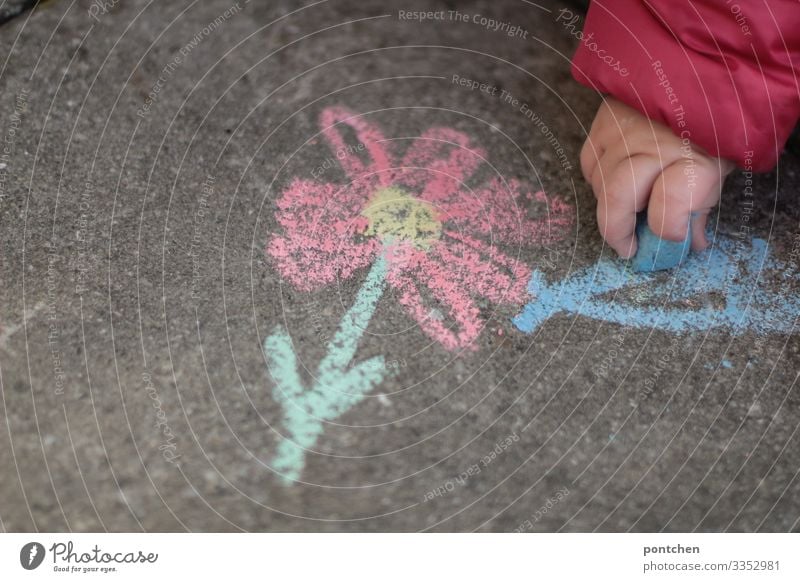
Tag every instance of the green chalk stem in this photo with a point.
(337, 388)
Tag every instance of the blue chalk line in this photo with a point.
(731, 268)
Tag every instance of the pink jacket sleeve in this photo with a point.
(721, 73)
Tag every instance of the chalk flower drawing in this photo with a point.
(419, 229)
(418, 213)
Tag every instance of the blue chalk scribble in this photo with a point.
(730, 285)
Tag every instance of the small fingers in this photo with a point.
(622, 192)
(699, 222)
(700, 217)
(685, 187)
(590, 155)
(598, 140)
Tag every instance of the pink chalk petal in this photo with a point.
(321, 222)
(498, 212)
(376, 148)
(305, 206)
(411, 272)
(309, 263)
(438, 163)
(488, 272)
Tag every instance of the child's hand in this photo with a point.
(635, 163)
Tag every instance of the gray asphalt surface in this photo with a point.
(135, 395)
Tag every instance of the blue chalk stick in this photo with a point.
(657, 254)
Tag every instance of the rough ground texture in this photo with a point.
(135, 303)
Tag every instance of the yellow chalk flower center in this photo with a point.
(395, 215)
